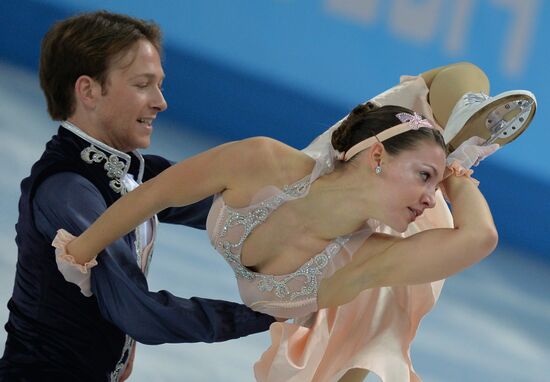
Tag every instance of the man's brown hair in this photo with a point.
(86, 44)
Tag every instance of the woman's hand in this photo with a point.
(471, 152)
(468, 154)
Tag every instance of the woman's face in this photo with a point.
(409, 181)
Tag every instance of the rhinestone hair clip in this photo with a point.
(415, 120)
(408, 122)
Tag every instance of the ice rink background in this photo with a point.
(492, 322)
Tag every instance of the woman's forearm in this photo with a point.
(428, 256)
(435, 254)
(182, 184)
(122, 217)
(469, 208)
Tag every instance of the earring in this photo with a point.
(378, 170)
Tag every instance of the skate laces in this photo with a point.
(471, 98)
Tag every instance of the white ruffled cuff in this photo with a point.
(72, 271)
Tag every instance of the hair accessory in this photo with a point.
(415, 121)
(408, 122)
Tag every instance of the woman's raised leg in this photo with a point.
(449, 83)
(460, 102)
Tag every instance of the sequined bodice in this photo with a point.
(290, 295)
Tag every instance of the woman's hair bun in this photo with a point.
(342, 137)
(373, 105)
(365, 108)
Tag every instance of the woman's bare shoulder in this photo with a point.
(274, 157)
(261, 161)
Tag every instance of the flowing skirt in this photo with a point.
(374, 331)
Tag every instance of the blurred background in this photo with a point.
(289, 69)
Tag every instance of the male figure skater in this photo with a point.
(101, 74)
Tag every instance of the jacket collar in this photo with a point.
(117, 163)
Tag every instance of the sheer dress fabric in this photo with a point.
(374, 331)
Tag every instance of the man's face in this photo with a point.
(131, 98)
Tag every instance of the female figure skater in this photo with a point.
(302, 234)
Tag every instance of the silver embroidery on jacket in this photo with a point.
(116, 169)
(117, 165)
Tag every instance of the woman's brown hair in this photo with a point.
(368, 120)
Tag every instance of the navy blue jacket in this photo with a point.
(54, 332)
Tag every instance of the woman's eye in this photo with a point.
(142, 86)
(425, 175)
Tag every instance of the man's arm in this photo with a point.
(69, 201)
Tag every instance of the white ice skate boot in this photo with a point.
(499, 119)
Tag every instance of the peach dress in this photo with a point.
(374, 331)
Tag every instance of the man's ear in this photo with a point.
(87, 90)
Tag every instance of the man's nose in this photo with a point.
(159, 102)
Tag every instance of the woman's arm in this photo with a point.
(71, 201)
(184, 183)
(425, 257)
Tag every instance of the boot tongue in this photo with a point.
(470, 98)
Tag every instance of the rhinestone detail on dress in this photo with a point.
(309, 272)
